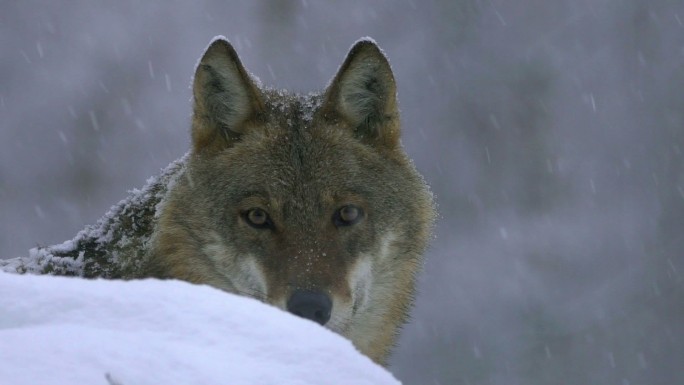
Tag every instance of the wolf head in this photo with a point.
(304, 202)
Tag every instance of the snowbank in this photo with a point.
(58, 330)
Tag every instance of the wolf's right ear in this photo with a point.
(226, 100)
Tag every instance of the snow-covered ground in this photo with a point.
(62, 331)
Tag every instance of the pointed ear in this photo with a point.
(363, 96)
(226, 100)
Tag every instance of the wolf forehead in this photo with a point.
(288, 170)
(290, 110)
(291, 144)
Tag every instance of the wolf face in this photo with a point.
(304, 202)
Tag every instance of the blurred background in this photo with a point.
(551, 132)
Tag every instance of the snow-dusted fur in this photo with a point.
(115, 246)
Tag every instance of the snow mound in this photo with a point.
(59, 330)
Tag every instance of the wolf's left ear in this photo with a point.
(226, 100)
(363, 95)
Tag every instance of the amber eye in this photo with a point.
(258, 218)
(348, 215)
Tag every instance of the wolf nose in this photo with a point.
(312, 305)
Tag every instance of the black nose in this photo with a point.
(312, 305)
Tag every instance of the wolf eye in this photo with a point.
(347, 216)
(258, 218)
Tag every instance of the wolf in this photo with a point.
(305, 202)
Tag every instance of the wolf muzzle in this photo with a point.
(313, 305)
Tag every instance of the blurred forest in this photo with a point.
(552, 134)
